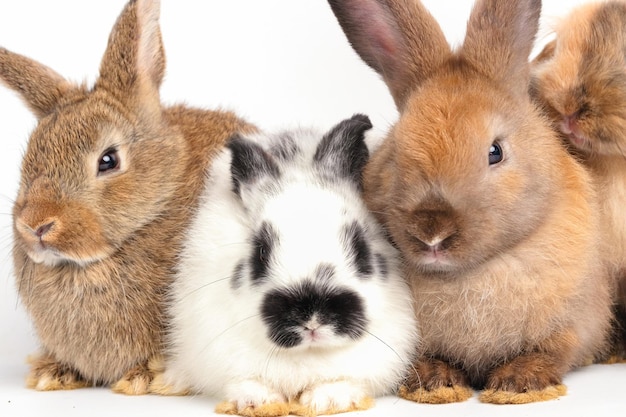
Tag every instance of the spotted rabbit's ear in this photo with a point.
(399, 39)
(40, 87)
(133, 65)
(342, 153)
(249, 163)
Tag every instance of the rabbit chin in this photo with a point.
(52, 258)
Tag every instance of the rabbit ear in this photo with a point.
(249, 162)
(133, 65)
(342, 152)
(500, 36)
(399, 39)
(39, 86)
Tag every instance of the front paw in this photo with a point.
(46, 374)
(137, 380)
(252, 398)
(334, 397)
(433, 381)
(525, 379)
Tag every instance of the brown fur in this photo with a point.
(98, 307)
(503, 259)
(580, 80)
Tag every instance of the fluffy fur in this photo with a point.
(497, 223)
(580, 80)
(312, 310)
(109, 181)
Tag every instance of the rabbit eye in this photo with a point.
(495, 153)
(109, 161)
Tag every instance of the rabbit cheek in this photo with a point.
(309, 316)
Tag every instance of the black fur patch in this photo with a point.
(342, 151)
(249, 162)
(236, 280)
(263, 244)
(383, 266)
(286, 311)
(359, 249)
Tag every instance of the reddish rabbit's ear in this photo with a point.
(133, 65)
(399, 39)
(39, 86)
(500, 37)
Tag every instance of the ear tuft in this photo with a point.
(39, 86)
(249, 162)
(342, 152)
(134, 62)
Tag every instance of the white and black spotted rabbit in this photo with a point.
(288, 293)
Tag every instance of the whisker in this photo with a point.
(410, 364)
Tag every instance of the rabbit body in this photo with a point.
(110, 179)
(580, 81)
(496, 222)
(287, 289)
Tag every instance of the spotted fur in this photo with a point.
(302, 316)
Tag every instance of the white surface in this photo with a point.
(277, 62)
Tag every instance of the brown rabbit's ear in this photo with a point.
(546, 53)
(133, 65)
(500, 36)
(399, 39)
(39, 86)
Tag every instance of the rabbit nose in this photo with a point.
(433, 230)
(43, 229)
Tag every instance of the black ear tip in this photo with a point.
(364, 119)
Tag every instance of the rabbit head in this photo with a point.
(580, 79)
(101, 162)
(463, 175)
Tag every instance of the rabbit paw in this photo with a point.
(46, 374)
(136, 381)
(160, 384)
(525, 379)
(253, 399)
(334, 397)
(434, 381)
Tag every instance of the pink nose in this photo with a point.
(43, 229)
(570, 124)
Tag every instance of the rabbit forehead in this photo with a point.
(590, 37)
(310, 222)
(449, 127)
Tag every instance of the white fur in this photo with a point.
(219, 344)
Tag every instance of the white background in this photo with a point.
(279, 63)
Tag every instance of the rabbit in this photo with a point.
(496, 222)
(110, 179)
(580, 81)
(287, 293)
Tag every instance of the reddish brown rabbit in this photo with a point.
(496, 221)
(580, 79)
(109, 182)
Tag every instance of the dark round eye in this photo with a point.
(495, 153)
(109, 161)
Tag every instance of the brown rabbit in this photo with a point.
(109, 182)
(580, 79)
(497, 223)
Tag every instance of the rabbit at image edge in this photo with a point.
(497, 223)
(580, 80)
(289, 298)
(109, 181)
